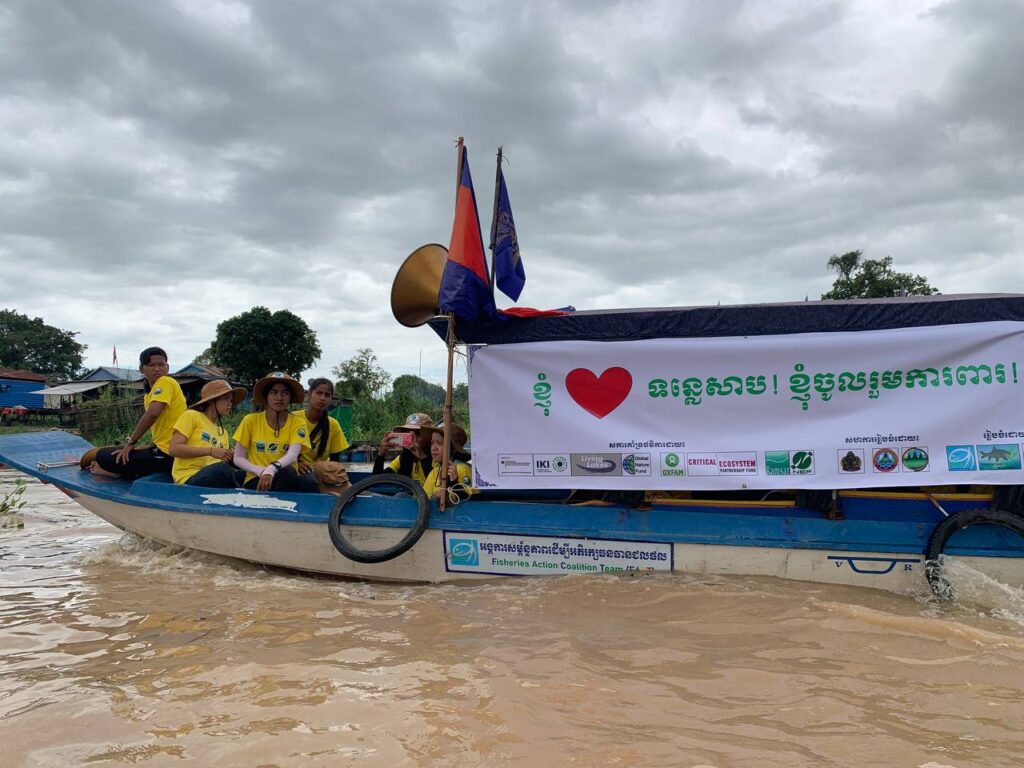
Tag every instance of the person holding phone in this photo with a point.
(414, 459)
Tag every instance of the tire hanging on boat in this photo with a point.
(940, 584)
(352, 552)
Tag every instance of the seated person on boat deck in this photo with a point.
(267, 444)
(200, 445)
(460, 473)
(164, 404)
(414, 461)
(326, 438)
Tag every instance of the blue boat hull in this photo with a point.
(879, 542)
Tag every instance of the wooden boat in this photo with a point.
(800, 526)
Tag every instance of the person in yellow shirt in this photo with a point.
(460, 473)
(327, 439)
(413, 461)
(268, 443)
(200, 444)
(164, 404)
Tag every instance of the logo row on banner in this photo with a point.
(845, 461)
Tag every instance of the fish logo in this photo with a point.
(998, 457)
(961, 458)
(464, 552)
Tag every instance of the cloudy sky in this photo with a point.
(167, 165)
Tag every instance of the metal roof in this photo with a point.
(74, 388)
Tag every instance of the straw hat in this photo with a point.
(259, 389)
(218, 388)
(414, 422)
(458, 437)
(88, 458)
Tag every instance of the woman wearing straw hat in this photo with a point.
(200, 444)
(267, 444)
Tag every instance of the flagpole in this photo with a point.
(494, 216)
(445, 458)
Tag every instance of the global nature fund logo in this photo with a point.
(464, 552)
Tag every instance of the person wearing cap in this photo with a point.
(164, 404)
(268, 443)
(460, 473)
(414, 461)
(200, 444)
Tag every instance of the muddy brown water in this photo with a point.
(115, 651)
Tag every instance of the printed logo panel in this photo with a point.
(998, 457)
(515, 464)
(551, 464)
(673, 465)
(470, 552)
(961, 458)
(885, 460)
(915, 459)
(638, 464)
(596, 464)
(851, 462)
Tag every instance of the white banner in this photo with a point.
(905, 407)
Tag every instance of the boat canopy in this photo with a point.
(744, 319)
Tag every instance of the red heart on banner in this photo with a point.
(599, 395)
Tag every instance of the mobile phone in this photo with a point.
(399, 439)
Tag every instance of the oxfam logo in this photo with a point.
(672, 460)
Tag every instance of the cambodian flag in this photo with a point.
(509, 274)
(465, 286)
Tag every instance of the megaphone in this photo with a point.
(417, 284)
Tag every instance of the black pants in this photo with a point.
(141, 461)
(288, 479)
(217, 475)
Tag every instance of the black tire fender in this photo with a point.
(937, 579)
(359, 555)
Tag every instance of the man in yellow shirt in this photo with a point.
(164, 404)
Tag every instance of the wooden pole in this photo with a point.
(445, 458)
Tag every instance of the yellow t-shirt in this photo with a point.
(199, 432)
(417, 469)
(263, 445)
(165, 390)
(462, 469)
(336, 443)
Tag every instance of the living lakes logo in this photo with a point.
(596, 464)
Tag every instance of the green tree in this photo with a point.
(361, 376)
(257, 342)
(27, 343)
(415, 389)
(872, 279)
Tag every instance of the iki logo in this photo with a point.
(464, 552)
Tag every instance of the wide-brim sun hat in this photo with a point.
(414, 423)
(218, 388)
(259, 389)
(456, 434)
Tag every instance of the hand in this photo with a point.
(122, 454)
(266, 480)
(304, 468)
(384, 446)
(453, 473)
(220, 453)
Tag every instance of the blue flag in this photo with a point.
(509, 274)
